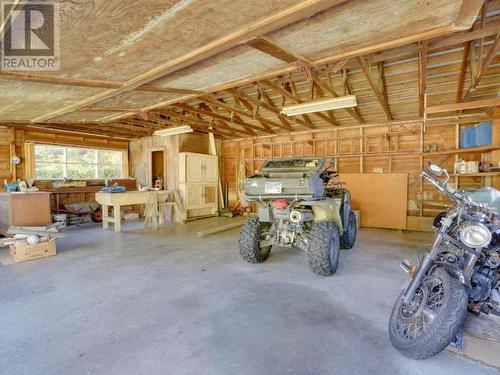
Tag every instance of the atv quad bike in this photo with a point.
(297, 207)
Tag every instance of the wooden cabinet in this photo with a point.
(30, 209)
(198, 182)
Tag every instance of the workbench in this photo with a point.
(116, 200)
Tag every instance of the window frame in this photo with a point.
(96, 165)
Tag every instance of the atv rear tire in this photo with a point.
(349, 237)
(250, 236)
(324, 248)
(448, 313)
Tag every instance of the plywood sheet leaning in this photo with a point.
(381, 198)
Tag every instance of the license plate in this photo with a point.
(272, 187)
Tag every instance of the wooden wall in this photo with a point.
(396, 147)
(17, 137)
(140, 155)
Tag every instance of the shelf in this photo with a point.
(463, 150)
(68, 190)
(484, 174)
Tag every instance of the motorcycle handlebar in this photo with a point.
(444, 187)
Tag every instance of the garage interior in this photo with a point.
(177, 102)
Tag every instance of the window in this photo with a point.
(58, 162)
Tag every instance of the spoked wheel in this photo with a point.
(427, 324)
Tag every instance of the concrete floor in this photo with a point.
(171, 303)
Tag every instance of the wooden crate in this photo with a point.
(22, 252)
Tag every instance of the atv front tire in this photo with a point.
(250, 236)
(349, 237)
(324, 248)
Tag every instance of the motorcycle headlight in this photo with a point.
(475, 235)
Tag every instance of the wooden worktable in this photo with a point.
(124, 199)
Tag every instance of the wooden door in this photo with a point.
(210, 168)
(194, 195)
(210, 195)
(194, 168)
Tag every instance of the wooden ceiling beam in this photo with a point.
(377, 87)
(422, 66)
(230, 108)
(258, 103)
(463, 72)
(95, 129)
(89, 83)
(172, 122)
(490, 56)
(348, 91)
(326, 87)
(463, 106)
(238, 101)
(321, 93)
(276, 110)
(306, 117)
(287, 94)
(461, 23)
(433, 45)
(226, 126)
(270, 48)
(274, 22)
(248, 128)
(207, 111)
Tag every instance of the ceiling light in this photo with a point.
(320, 105)
(173, 131)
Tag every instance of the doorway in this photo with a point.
(158, 169)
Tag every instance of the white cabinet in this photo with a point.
(198, 182)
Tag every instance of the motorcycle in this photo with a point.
(460, 272)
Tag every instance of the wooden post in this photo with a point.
(213, 151)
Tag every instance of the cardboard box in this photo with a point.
(23, 251)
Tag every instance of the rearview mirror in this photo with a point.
(435, 169)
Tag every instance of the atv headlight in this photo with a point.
(475, 235)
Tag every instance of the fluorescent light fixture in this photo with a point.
(173, 131)
(320, 105)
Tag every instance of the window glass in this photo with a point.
(58, 162)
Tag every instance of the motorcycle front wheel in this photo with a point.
(426, 326)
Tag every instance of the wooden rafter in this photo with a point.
(490, 56)
(316, 84)
(89, 83)
(248, 128)
(224, 125)
(264, 104)
(348, 91)
(397, 48)
(270, 48)
(289, 95)
(463, 72)
(422, 65)
(354, 113)
(239, 111)
(293, 88)
(239, 101)
(193, 121)
(377, 86)
(462, 106)
(264, 26)
(482, 24)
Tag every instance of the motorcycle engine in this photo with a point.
(485, 279)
